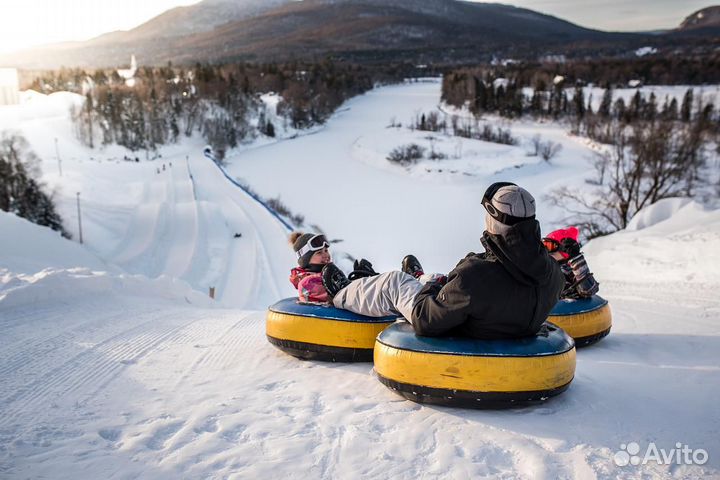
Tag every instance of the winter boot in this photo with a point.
(411, 266)
(333, 279)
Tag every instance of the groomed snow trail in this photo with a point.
(126, 388)
(192, 223)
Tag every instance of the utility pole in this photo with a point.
(57, 153)
(79, 217)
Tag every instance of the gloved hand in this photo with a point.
(585, 282)
(588, 286)
(362, 268)
(570, 246)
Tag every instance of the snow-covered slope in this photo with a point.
(124, 384)
(673, 241)
(176, 216)
(113, 362)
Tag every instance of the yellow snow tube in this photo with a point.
(587, 320)
(474, 373)
(320, 332)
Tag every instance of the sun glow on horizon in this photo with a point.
(30, 23)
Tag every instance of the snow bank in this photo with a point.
(675, 240)
(656, 213)
(26, 248)
(57, 285)
(38, 265)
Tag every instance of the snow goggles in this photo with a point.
(551, 245)
(501, 217)
(317, 242)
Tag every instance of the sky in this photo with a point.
(618, 15)
(25, 23)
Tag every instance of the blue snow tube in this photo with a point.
(587, 320)
(473, 373)
(323, 332)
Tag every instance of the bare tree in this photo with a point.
(535, 143)
(646, 163)
(549, 150)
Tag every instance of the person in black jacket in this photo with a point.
(505, 292)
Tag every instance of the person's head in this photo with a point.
(554, 240)
(506, 204)
(310, 248)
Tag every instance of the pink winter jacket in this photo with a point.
(309, 285)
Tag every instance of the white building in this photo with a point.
(9, 87)
(128, 74)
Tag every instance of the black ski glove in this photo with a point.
(570, 246)
(362, 269)
(585, 283)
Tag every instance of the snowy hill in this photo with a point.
(705, 18)
(114, 363)
(222, 31)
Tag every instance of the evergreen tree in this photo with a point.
(650, 109)
(672, 111)
(636, 106)
(479, 103)
(20, 193)
(536, 103)
(579, 103)
(606, 103)
(686, 108)
(619, 109)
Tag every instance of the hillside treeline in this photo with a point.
(222, 103)
(541, 89)
(612, 72)
(20, 191)
(484, 91)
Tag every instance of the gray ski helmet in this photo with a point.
(507, 204)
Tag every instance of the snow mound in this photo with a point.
(58, 285)
(656, 213)
(38, 105)
(38, 265)
(28, 248)
(675, 241)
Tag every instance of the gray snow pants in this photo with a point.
(390, 293)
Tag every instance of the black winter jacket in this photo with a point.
(505, 292)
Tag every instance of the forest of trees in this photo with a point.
(484, 92)
(611, 72)
(220, 102)
(657, 147)
(20, 191)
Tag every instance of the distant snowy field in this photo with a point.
(114, 363)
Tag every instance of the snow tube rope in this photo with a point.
(586, 320)
(464, 372)
(319, 332)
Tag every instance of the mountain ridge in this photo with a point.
(442, 31)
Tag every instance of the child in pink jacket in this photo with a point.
(313, 255)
